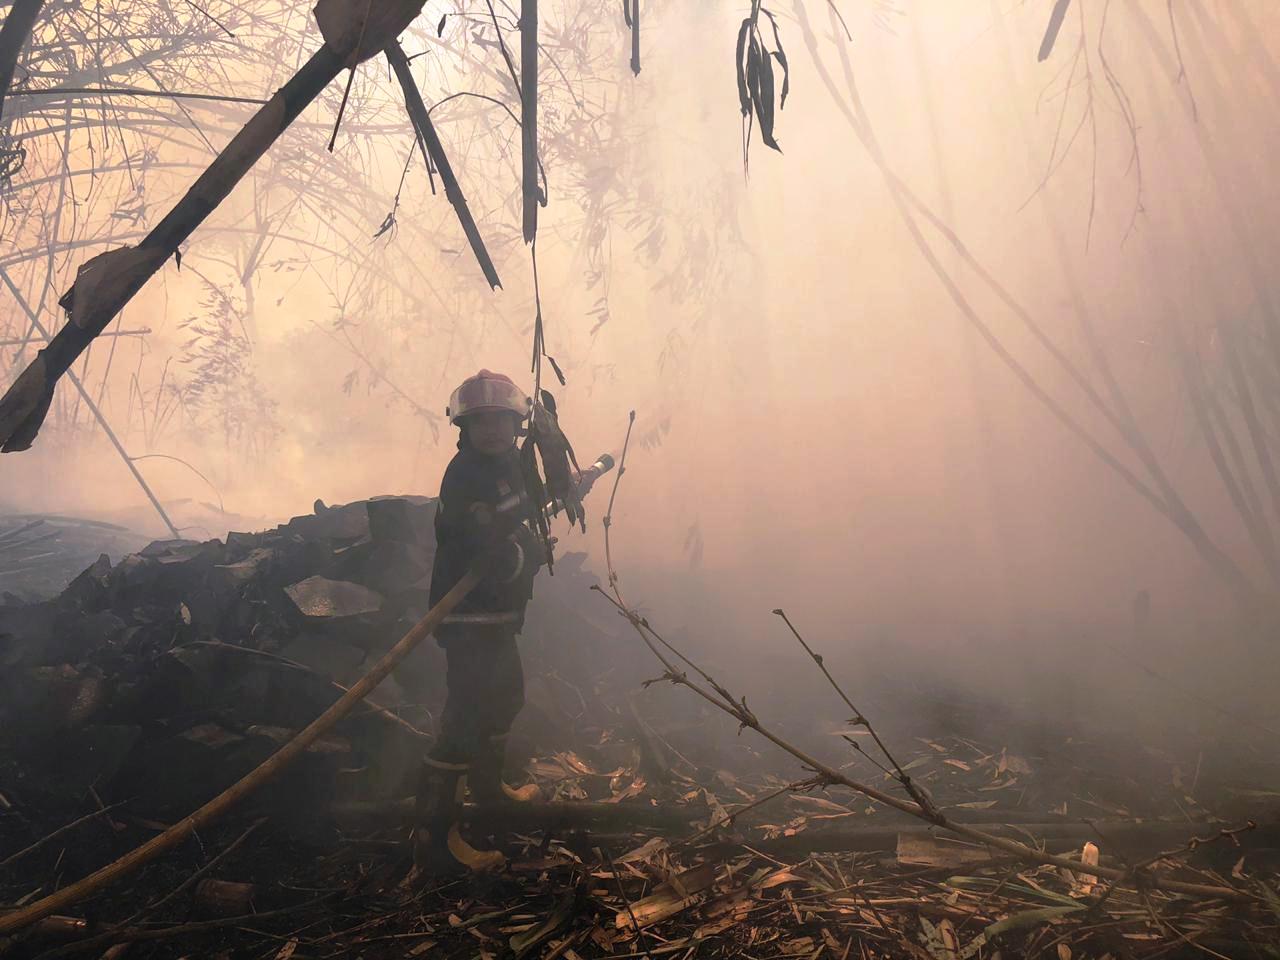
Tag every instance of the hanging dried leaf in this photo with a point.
(388, 222)
(764, 98)
(753, 74)
(635, 37)
(547, 443)
(756, 86)
(781, 54)
(556, 367)
(744, 91)
(24, 406)
(105, 282)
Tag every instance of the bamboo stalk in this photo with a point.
(1237, 220)
(93, 409)
(103, 288)
(529, 115)
(904, 199)
(23, 408)
(635, 37)
(18, 24)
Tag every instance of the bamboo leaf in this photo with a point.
(740, 63)
(781, 54)
(556, 367)
(525, 943)
(764, 99)
(1030, 918)
(786, 78)
(986, 883)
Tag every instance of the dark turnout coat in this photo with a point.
(473, 486)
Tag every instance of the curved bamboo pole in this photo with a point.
(131, 861)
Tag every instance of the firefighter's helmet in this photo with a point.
(488, 391)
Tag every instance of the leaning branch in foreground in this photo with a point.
(712, 691)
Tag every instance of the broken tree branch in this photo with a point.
(61, 831)
(736, 707)
(860, 718)
(740, 712)
(133, 934)
(433, 154)
(107, 282)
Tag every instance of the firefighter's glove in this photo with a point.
(501, 551)
(510, 560)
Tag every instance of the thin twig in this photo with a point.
(132, 92)
(165, 456)
(61, 831)
(118, 930)
(132, 934)
(1135, 871)
(186, 884)
(623, 893)
(210, 17)
(608, 516)
(738, 709)
(859, 718)
(502, 46)
(794, 786)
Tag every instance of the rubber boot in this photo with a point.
(438, 846)
(487, 785)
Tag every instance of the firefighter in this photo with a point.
(485, 683)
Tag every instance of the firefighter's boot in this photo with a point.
(486, 783)
(438, 846)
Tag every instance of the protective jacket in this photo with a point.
(467, 525)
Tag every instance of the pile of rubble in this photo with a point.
(166, 676)
(41, 549)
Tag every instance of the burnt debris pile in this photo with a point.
(167, 675)
(41, 549)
